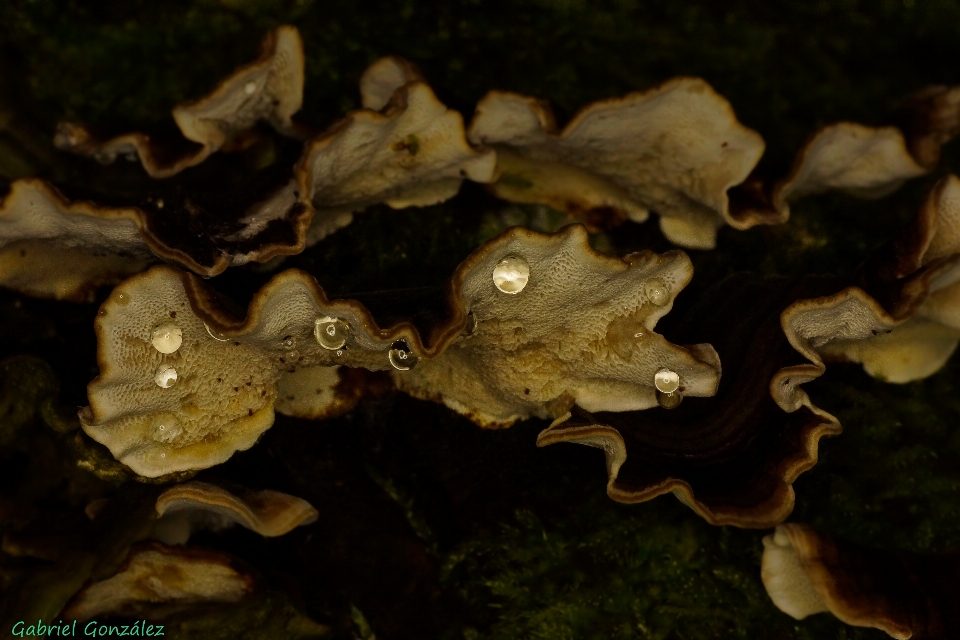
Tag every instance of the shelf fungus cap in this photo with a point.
(184, 384)
(198, 505)
(806, 572)
(920, 346)
(269, 88)
(411, 152)
(53, 248)
(733, 457)
(157, 581)
(553, 323)
(674, 150)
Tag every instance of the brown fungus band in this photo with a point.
(269, 89)
(733, 457)
(905, 595)
(183, 385)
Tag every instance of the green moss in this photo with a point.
(264, 617)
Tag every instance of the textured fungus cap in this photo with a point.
(733, 457)
(922, 345)
(270, 88)
(158, 581)
(51, 247)
(411, 152)
(199, 505)
(563, 325)
(806, 572)
(183, 385)
(674, 150)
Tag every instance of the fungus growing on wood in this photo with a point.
(907, 596)
(158, 581)
(53, 248)
(199, 505)
(270, 89)
(674, 150)
(410, 151)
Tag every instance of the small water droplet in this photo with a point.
(163, 455)
(167, 337)
(292, 356)
(331, 333)
(669, 400)
(288, 342)
(166, 376)
(167, 429)
(511, 274)
(639, 335)
(216, 335)
(657, 292)
(250, 88)
(471, 326)
(401, 358)
(123, 299)
(339, 352)
(666, 381)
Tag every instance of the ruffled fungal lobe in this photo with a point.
(183, 384)
(906, 596)
(921, 346)
(733, 457)
(270, 89)
(554, 323)
(184, 507)
(53, 248)
(674, 150)
(411, 152)
(158, 581)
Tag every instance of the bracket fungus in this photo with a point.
(806, 572)
(675, 150)
(51, 247)
(270, 89)
(199, 505)
(158, 581)
(554, 323)
(733, 457)
(183, 384)
(409, 150)
(921, 346)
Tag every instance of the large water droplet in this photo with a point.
(666, 381)
(669, 400)
(167, 337)
(331, 333)
(511, 274)
(401, 357)
(216, 335)
(657, 292)
(166, 376)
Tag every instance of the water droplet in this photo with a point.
(167, 337)
(216, 335)
(657, 292)
(666, 381)
(250, 88)
(292, 356)
(401, 357)
(331, 333)
(167, 428)
(123, 299)
(339, 352)
(511, 274)
(288, 342)
(166, 376)
(669, 400)
(163, 455)
(471, 325)
(639, 335)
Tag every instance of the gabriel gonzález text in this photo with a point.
(90, 629)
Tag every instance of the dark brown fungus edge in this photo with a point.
(732, 458)
(904, 595)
